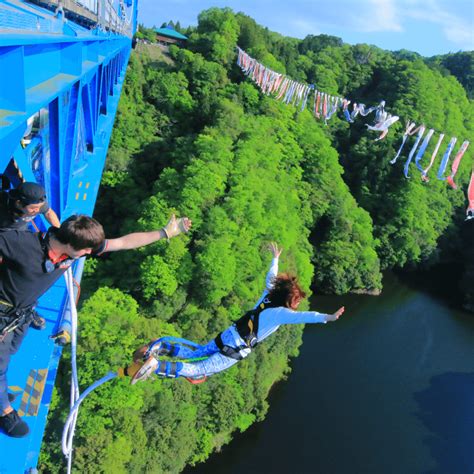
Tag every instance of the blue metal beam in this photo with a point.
(67, 80)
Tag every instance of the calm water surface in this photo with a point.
(389, 388)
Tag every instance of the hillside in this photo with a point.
(194, 136)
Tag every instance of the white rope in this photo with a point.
(68, 433)
(76, 397)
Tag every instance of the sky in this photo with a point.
(429, 27)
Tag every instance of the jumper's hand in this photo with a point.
(336, 315)
(274, 249)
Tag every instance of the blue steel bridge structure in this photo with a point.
(62, 67)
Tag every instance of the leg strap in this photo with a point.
(168, 349)
(168, 369)
(163, 348)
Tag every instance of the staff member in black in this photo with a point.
(32, 262)
(19, 206)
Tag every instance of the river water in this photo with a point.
(389, 388)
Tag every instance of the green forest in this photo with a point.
(194, 136)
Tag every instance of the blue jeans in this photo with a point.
(216, 362)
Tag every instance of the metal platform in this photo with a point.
(58, 101)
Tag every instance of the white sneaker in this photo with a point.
(146, 371)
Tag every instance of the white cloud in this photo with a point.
(455, 18)
(457, 29)
(451, 20)
(362, 16)
(381, 15)
(305, 27)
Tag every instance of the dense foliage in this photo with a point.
(461, 66)
(193, 136)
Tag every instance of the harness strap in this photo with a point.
(228, 351)
(11, 320)
(168, 349)
(167, 369)
(247, 328)
(5, 307)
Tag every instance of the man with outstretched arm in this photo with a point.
(32, 262)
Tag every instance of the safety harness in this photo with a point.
(247, 328)
(11, 318)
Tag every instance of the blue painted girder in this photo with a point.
(72, 78)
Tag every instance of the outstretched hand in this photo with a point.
(335, 316)
(274, 249)
(176, 226)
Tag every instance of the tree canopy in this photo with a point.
(195, 137)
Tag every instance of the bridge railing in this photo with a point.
(92, 5)
(110, 15)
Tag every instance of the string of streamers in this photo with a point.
(423, 148)
(470, 198)
(455, 165)
(424, 173)
(324, 106)
(444, 160)
(408, 131)
(421, 131)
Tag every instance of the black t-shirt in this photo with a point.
(23, 278)
(9, 219)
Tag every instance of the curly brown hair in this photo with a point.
(285, 290)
